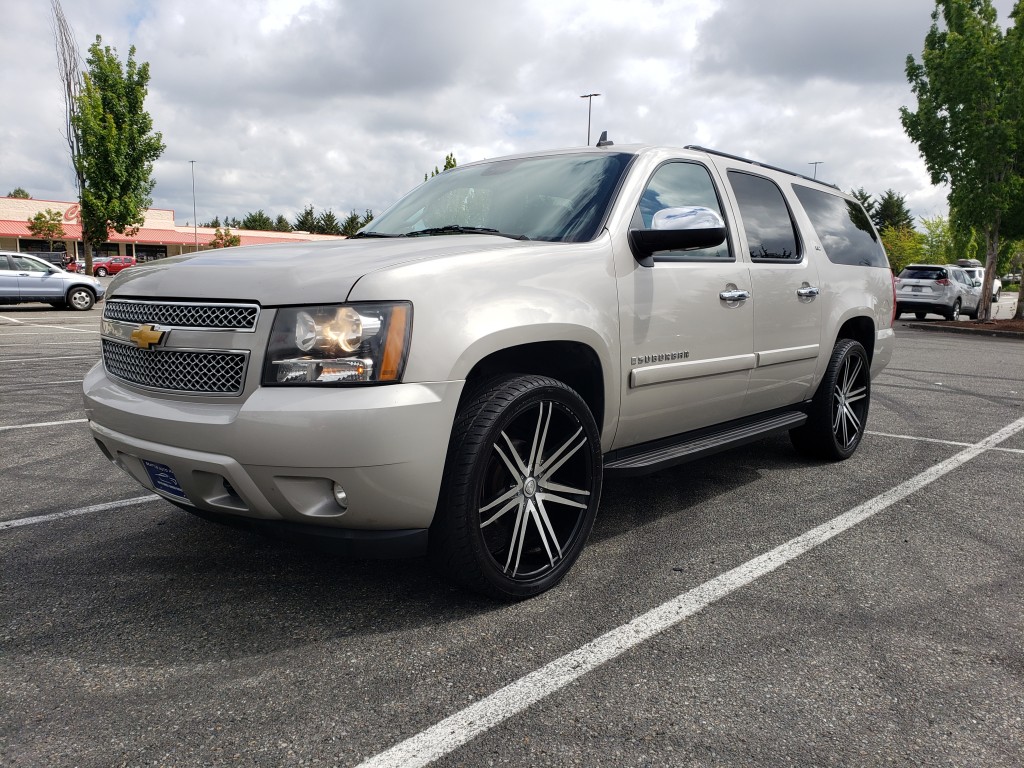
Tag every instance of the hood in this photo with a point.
(293, 273)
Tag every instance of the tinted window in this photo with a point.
(843, 228)
(3, 263)
(766, 220)
(676, 185)
(925, 273)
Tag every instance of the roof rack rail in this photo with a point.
(699, 148)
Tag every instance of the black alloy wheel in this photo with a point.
(521, 490)
(839, 410)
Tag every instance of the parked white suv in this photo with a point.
(976, 271)
(457, 378)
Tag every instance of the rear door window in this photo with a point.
(771, 235)
(843, 228)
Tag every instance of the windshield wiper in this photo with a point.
(374, 234)
(458, 229)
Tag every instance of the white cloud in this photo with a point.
(345, 105)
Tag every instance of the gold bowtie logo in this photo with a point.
(146, 336)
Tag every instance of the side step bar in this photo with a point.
(651, 457)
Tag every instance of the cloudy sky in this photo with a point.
(345, 105)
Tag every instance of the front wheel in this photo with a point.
(101, 272)
(81, 299)
(521, 489)
(839, 410)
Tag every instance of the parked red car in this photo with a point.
(102, 265)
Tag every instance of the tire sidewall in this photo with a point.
(843, 351)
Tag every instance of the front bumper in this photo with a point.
(277, 454)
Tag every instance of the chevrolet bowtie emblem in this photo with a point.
(146, 336)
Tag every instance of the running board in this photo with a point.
(693, 445)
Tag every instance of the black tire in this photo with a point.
(995, 296)
(81, 299)
(101, 272)
(920, 315)
(839, 410)
(954, 313)
(521, 489)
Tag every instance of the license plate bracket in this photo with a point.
(163, 479)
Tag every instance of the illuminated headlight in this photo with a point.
(339, 344)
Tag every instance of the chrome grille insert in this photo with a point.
(195, 315)
(194, 372)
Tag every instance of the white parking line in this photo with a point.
(11, 320)
(47, 344)
(81, 511)
(934, 440)
(452, 732)
(44, 424)
(58, 327)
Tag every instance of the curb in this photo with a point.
(968, 330)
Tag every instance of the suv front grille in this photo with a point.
(228, 317)
(194, 372)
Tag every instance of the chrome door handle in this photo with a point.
(734, 295)
(808, 292)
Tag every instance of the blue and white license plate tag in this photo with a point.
(163, 479)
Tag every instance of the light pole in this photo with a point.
(195, 223)
(590, 102)
(816, 163)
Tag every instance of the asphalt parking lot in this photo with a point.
(748, 609)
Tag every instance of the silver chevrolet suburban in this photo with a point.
(456, 379)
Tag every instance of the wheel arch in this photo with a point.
(859, 328)
(574, 363)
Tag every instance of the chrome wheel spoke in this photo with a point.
(560, 500)
(509, 494)
(543, 526)
(543, 515)
(547, 469)
(549, 486)
(518, 534)
(516, 502)
(520, 468)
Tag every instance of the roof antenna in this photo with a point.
(604, 141)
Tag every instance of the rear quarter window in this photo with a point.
(843, 228)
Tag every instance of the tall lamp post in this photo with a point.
(816, 163)
(195, 222)
(590, 103)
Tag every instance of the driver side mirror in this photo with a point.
(977, 283)
(677, 229)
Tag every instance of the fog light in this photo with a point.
(340, 496)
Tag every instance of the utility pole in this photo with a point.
(590, 102)
(195, 222)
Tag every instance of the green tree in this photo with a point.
(281, 224)
(214, 223)
(865, 200)
(903, 246)
(367, 218)
(47, 225)
(449, 163)
(351, 224)
(937, 241)
(891, 211)
(223, 238)
(117, 145)
(327, 224)
(20, 193)
(969, 112)
(258, 220)
(306, 221)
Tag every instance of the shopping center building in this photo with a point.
(157, 238)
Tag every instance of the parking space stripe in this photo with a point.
(34, 359)
(935, 440)
(452, 732)
(73, 512)
(43, 424)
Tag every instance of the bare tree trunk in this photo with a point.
(991, 257)
(71, 81)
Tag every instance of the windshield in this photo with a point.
(560, 198)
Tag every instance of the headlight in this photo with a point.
(339, 344)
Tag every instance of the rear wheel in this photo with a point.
(521, 490)
(839, 410)
(101, 272)
(81, 299)
(954, 313)
(920, 315)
